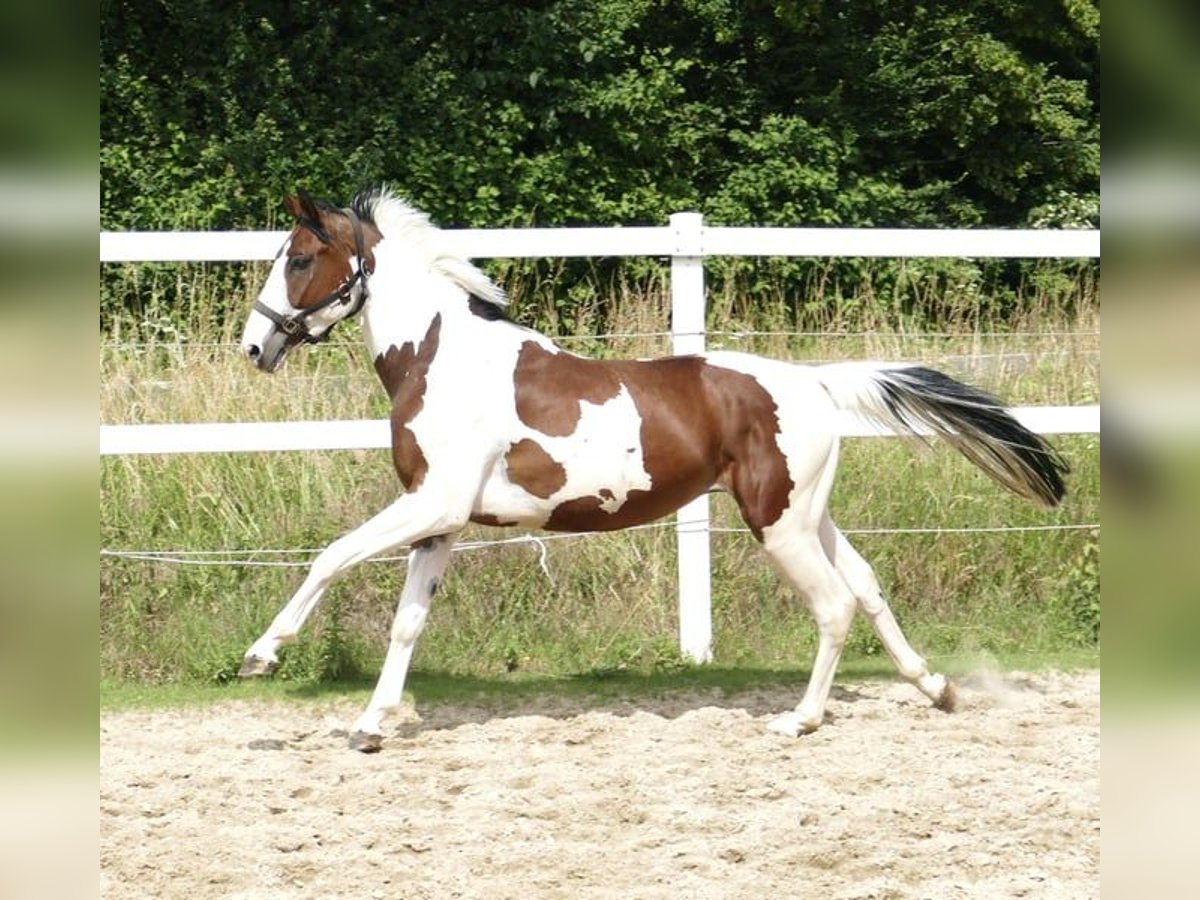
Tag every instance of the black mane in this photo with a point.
(487, 310)
(365, 202)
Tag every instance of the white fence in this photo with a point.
(686, 241)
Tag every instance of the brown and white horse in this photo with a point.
(492, 423)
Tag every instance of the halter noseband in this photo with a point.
(296, 325)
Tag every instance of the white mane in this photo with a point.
(396, 218)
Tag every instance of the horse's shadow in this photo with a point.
(446, 702)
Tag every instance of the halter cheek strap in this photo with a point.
(295, 325)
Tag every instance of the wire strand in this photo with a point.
(247, 558)
(625, 335)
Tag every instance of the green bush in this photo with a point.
(604, 112)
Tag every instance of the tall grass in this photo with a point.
(595, 603)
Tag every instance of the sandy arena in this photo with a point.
(683, 796)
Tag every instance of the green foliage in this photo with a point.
(1079, 595)
(599, 111)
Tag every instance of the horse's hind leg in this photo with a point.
(798, 554)
(860, 578)
(792, 540)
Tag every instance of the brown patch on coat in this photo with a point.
(700, 425)
(489, 519)
(756, 471)
(533, 469)
(403, 371)
(586, 514)
(550, 386)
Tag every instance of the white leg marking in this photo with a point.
(801, 558)
(425, 568)
(860, 578)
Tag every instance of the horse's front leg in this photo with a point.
(409, 520)
(425, 567)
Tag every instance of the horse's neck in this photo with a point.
(399, 311)
(410, 336)
(382, 331)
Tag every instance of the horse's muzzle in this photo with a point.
(265, 358)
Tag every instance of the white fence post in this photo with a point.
(691, 523)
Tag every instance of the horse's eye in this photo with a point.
(299, 263)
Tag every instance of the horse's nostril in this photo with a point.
(253, 351)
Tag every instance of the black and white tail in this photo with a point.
(915, 400)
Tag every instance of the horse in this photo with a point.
(492, 423)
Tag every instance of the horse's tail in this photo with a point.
(916, 401)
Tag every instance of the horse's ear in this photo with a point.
(302, 205)
(292, 204)
(309, 205)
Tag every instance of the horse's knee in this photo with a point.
(410, 620)
(328, 565)
(872, 603)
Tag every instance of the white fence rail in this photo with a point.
(371, 434)
(686, 241)
(687, 235)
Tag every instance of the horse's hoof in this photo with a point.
(254, 666)
(366, 743)
(792, 725)
(949, 699)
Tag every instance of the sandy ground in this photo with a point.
(683, 796)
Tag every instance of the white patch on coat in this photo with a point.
(601, 458)
(273, 294)
(603, 453)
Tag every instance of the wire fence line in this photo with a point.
(628, 335)
(247, 558)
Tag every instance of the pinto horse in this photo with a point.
(492, 423)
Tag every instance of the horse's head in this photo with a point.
(318, 279)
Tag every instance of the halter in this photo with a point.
(295, 325)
